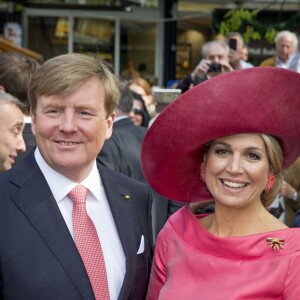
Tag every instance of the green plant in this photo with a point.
(248, 24)
(244, 21)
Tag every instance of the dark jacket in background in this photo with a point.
(122, 153)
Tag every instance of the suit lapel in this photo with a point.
(41, 210)
(122, 211)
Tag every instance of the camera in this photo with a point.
(214, 67)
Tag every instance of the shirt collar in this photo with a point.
(60, 185)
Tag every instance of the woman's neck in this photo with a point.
(229, 222)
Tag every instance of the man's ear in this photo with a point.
(32, 115)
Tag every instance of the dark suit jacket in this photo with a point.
(292, 211)
(38, 257)
(122, 152)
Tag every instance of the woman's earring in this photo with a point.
(202, 172)
(270, 182)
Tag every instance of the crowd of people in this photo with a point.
(104, 197)
(233, 54)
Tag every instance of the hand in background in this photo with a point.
(287, 190)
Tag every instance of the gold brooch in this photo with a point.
(275, 243)
(126, 197)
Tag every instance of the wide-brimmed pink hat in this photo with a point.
(256, 100)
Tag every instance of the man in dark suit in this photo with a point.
(15, 75)
(122, 153)
(49, 231)
(11, 127)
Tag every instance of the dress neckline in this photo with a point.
(187, 226)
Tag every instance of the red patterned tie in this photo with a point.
(88, 244)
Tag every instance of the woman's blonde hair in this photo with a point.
(275, 157)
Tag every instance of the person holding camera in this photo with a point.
(215, 61)
(236, 44)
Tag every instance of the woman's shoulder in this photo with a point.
(292, 237)
(179, 222)
(181, 216)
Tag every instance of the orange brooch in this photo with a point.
(275, 243)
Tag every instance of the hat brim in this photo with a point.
(257, 100)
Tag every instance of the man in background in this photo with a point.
(245, 53)
(286, 45)
(287, 202)
(11, 128)
(215, 61)
(122, 153)
(236, 44)
(15, 75)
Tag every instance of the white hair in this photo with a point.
(206, 46)
(289, 34)
(6, 98)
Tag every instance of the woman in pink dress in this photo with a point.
(227, 139)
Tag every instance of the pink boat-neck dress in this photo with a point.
(192, 264)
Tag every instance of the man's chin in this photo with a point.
(5, 167)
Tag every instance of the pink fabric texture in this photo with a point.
(88, 244)
(191, 263)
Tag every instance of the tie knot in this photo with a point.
(78, 194)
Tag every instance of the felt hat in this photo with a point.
(255, 100)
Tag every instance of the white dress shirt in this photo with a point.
(99, 211)
(245, 64)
